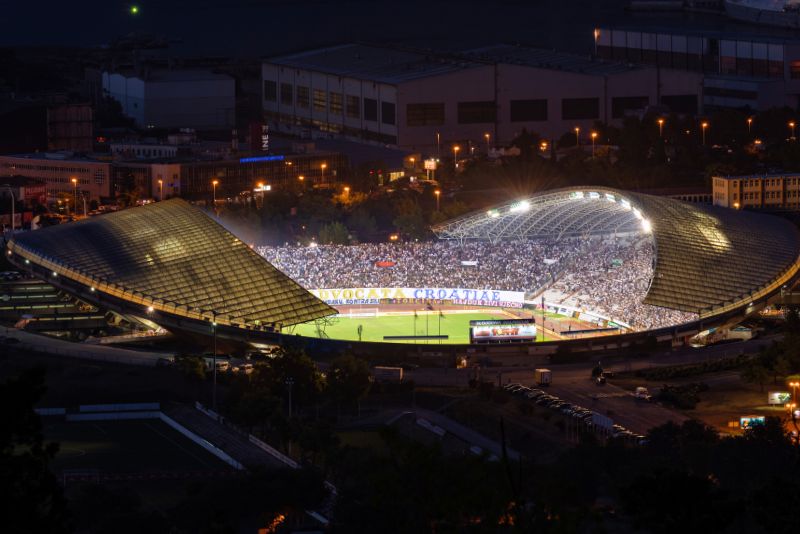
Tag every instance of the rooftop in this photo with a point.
(171, 257)
(369, 62)
(760, 176)
(64, 156)
(548, 59)
(177, 75)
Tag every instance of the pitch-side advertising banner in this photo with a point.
(461, 296)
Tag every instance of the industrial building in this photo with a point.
(424, 100)
(174, 98)
(758, 69)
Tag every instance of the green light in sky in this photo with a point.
(134, 10)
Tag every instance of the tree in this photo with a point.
(191, 366)
(334, 233)
(348, 379)
(30, 498)
(409, 219)
(755, 373)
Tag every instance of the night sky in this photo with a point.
(255, 28)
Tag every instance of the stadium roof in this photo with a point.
(174, 258)
(708, 259)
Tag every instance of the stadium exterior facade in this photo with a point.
(172, 264)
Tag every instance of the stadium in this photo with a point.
(563, 266)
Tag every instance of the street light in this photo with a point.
(322, 168)
(438, 194)
(13, 206)
(214, 184)
(75, 194)
(749, 124)
(160, 190)
(794, 386)
(594, 137)
(577, 136)
(792, 125)
(660, 122)
(703, 127)
(289, 384)
(488, 137)
(456, 148)
(347, 191)
(438, 145)
(214, 361)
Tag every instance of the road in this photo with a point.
(572, 382)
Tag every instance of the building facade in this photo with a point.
(768, 191)
(92, 178)
(758, 70)
(174, 98)
(428, 100)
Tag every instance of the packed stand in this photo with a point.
(609, 277)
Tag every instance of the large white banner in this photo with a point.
(461, 296)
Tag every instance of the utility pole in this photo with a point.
(214, 361)
(289, 384)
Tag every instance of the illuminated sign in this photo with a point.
(779, 397)
(258, 159)
(502, 330)
(749, 422)
(461, 296)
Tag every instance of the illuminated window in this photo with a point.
(336, 103)
(319, 100)
(353, 106)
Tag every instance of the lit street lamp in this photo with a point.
(792, 125)
(322, 168)
(214, 184)
(749, 124)
(289, 384)
(438, 145)
(438, 194)
(456, 148)
(794, 386)
(347, 191)
(13, 205)
(594, 137)
(577, 136)
(75, 194)
(660, 122)
(703, 127)
(160, 190)
(488, 137)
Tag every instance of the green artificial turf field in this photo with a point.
(454, 325)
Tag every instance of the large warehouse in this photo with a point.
(426, 100)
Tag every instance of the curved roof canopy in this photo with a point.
(708, 259)
(174, 258)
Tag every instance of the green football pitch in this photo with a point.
(135, 446)
(453, 325)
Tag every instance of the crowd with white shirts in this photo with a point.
(612, 279)
(510, 266)
(607, 276)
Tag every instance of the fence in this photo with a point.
(113, 416)
(120, 407)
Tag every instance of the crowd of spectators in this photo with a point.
(510, 266)
(609, 277)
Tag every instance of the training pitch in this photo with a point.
(454, 325)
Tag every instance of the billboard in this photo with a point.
(749, 422)
(779, 397)
(502, 330)
(461, 296)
